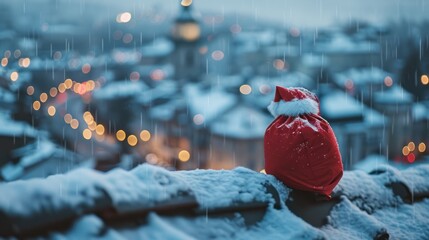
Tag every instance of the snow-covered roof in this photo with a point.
(242, 122)
(420, 112)
(10, 127)
(373, 117)
(160, 47)
(261, 38)
(6, 96)
(209, 103)
(341, 43)
(314, 60)
(167, 111)
(125, 56)
(120, 89)
(340, 105)
(363, 76)
(393, 95)
(165, 89)
(214, 204)
(43, 150)
(71, 61)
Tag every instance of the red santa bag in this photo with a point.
(300, 147)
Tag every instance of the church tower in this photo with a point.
(186, 36)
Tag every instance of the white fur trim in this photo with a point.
(294, 108)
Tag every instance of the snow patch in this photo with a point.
(295, 107)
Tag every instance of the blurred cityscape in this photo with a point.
(105, 87)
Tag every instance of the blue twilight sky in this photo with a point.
(302, 13)
(314, 12)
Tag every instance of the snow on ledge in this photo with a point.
(367, 204)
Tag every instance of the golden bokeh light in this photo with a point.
(411, 146)
(422, 147)
(186, 3)
(4, 62)
(405, 151)
(25, 63)
(132, 140)
(245, 89)
(76, 87)
(53, 92)
(68, 118)
(74, 123)
(120, 135)
(90, 85)
(145, 135)
(184, 156)
(425, 79)
(61, 88)
(87, 134)
(43, 97)
(79, 88)
(51, 111)
(68, 83)
(14, 76)
(87, 116)
(36, 105)
(99, 129)
(92, 126)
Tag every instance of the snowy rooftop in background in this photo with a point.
(6, 97)
(341, 43)
(209, 103)
(340, 105)
(214, 204)
(393, 95)
(42, 151)
(363, 76)
(69, 61)
(241, 122)
(164, 89)
(120, 89)
(10, 127)
(166, 111)
(160, 47)
(261, 38)
(420, 112)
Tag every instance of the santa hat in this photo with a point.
(300, 147)
(293, 102)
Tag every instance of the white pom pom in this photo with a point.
(294, 108)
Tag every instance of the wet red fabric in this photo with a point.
(303, 153)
